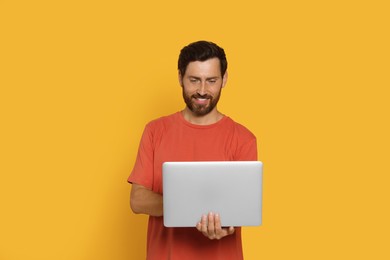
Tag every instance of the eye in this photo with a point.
(194, 80)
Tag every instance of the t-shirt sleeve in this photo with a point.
(247, 151)
(247, 145)
(142, 172)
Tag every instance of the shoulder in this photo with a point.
(244, 143)
(162, 123)
(240, 130)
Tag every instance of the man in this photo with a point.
(198, 133)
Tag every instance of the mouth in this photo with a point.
(201, 100)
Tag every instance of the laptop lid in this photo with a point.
(231, 188)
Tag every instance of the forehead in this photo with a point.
(207, 68)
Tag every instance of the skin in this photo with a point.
(201, 84)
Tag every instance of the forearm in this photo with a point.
(144, 201)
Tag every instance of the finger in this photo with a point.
(219, 231)
(199, 226)
(203, 225)
(210, 226)
(231, 230)
(217, 221)
(225, 232)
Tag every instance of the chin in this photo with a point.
(201, 112)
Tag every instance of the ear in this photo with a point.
(180, 78)
(224, 79)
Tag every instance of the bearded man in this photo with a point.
(197, 133)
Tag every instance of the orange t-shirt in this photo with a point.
(172, 138)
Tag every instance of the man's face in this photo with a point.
(202, 84)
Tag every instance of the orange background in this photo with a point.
(80, 79)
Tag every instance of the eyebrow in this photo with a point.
(194, 77)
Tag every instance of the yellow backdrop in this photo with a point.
(80, 79)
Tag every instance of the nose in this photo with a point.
(202, 88)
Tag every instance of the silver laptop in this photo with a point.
(233, 189)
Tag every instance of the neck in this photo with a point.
(213, 117)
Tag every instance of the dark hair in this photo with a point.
(201, 51)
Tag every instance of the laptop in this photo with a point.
(233, 189)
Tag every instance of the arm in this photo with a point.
(145, 201)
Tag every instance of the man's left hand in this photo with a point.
(210, 226)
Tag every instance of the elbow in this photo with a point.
(136, 201)
(134, 205)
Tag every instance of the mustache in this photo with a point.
(205, 96)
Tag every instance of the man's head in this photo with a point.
(201, 51)
(202, 75)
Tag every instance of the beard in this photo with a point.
(200, 109)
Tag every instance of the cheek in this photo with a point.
(188, 88)
(187, 92)
(215, 89)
